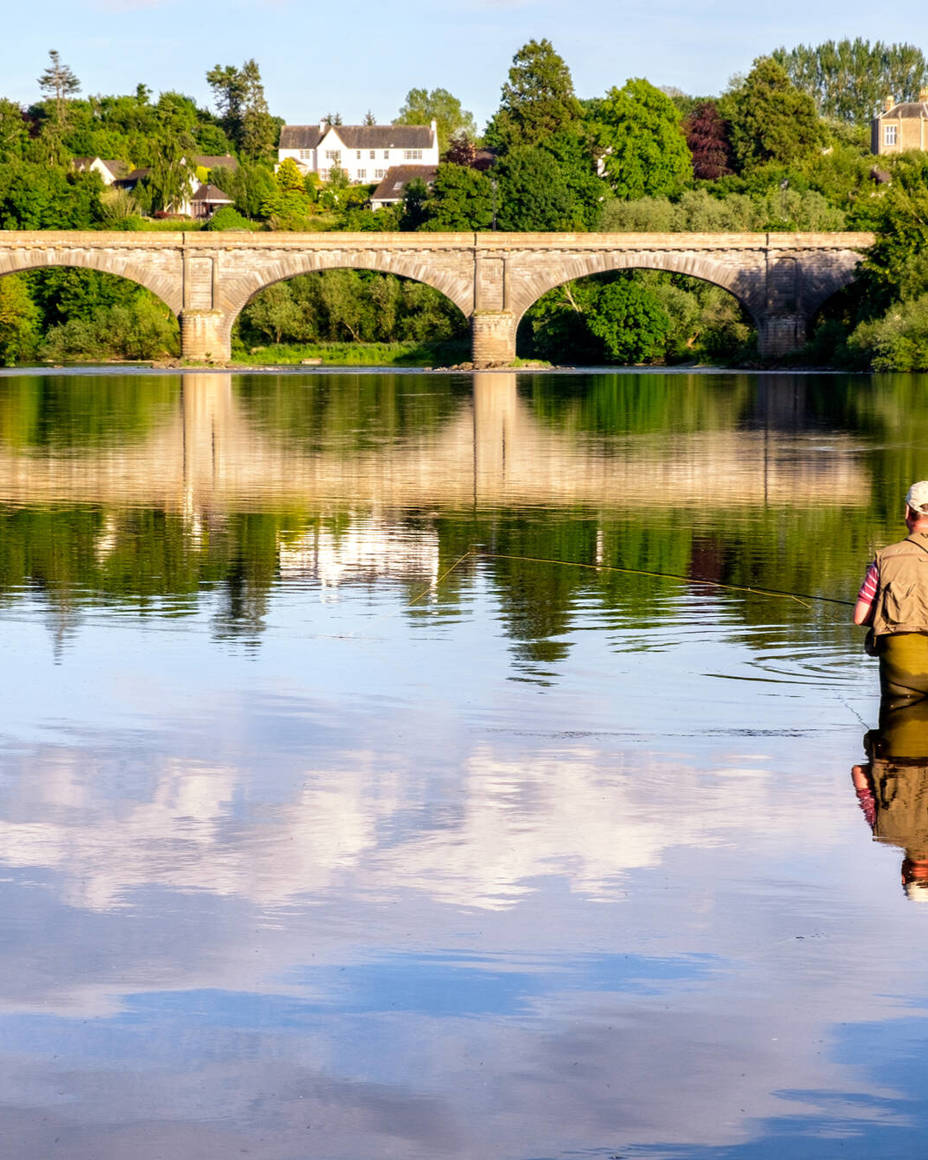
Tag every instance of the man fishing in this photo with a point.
(893, 601)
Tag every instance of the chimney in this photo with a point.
(923, 93)
(888, 103)
(323, 125)
(434, 128)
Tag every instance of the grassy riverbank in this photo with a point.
(385, 354)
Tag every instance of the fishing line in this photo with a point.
(799, 597)
(447, 572)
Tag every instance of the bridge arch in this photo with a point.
(579, 323)
(736, 282)
(104, 261)
(244, 287)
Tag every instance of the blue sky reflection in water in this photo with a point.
(330, 826)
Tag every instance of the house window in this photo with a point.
(358, 155)
(378, 173)
(373, 153)
(305, 154)
(386, 154)
(323, 174)
(412, 155)
(362, 175)
(333, 155)
(889, 135)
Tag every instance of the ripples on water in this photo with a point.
(342, 814)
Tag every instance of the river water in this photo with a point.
(410, 766)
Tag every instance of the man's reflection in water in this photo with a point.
(892, 787)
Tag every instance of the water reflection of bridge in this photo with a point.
(212, 455)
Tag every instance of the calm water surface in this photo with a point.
(408, 766)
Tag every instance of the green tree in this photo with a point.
(275, 313)
(849, 79)
(415, 201)
(898, 341)
(335, 193)
(59, 82)
(13, 132)
(289, 177)
(422, 107)
(533, 194)
(573, 152)
(239, 95)
(230, 91)
(39, 197)
(171, 178)
(19, 320)
(460, 199)
(228, 218)
(644, 151)
(537, 100)
(896, 266)
(631, 322)
(259, 129)
(770, 119)
(250, 186)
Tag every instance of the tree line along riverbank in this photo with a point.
(786, 147)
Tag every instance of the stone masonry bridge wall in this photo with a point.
(781, 279)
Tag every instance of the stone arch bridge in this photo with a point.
(781, 279)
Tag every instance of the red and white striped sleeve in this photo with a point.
(871, 582)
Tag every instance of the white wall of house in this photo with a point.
(363, 165)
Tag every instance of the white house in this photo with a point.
(364, 152)
(109, 171)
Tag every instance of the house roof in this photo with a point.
(358, 136)
(915, 109)
(217, 161)
(398, 177)
(385, 136)
(211, 195)
(117, 169)
(300, 136)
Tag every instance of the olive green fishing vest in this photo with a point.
(902, 599)
(900, 794)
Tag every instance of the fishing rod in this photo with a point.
(799, 597)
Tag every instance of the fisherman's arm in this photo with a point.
(863, 609)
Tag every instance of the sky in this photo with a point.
(363, 55)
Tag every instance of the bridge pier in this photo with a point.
(781, 334)
(493, 338)
(204, 336)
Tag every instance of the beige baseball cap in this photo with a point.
(917, 496)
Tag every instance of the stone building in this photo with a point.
(902, 125)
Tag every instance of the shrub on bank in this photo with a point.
(140, 329)
(899, 340)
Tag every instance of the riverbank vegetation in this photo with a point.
(786, 147)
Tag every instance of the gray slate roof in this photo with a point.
(398, 177)
(300, 136)
(359, 136)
